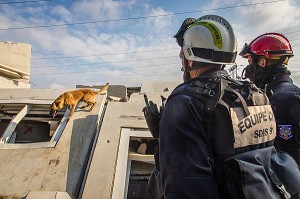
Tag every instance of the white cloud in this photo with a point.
(159, 24)
(98, 9)
(279, 16)
(145, 34)
(62, 13)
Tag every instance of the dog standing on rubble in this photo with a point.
(71, 99)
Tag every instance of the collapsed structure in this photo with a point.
(105, 153)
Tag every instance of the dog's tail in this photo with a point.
(103, 89)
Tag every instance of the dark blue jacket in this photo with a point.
(190, 160)
(186, 158)
(285, 100)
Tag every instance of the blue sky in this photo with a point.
(127, 42)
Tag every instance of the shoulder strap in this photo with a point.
(244, 92)
(227, 87)
(205, 89)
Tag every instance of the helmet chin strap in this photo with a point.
(186, 74)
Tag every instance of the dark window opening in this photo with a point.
(140, 171)
(32, 131)
(139, 176)
(3, 125)
(33, 125)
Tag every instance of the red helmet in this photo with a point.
(270, 45)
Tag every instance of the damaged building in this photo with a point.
(103, 153)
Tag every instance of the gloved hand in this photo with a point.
(152, 116)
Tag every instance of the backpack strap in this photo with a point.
(239, 97)
(205, 89)
(208, 87)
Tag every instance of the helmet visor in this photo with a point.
(246, 50)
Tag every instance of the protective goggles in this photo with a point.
(184, 26)
(246, 50)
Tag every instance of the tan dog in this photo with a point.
(71, 99)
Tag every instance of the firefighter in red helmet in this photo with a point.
(268, 57)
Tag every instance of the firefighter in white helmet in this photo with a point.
(195, 130)
(186, 151)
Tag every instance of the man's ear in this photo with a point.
(262, 62)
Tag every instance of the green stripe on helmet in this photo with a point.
(215, 32)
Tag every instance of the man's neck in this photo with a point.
(199, 71)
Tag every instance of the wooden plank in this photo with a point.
(141, 157)
(13, 123)
(138, 156)
(61, 127)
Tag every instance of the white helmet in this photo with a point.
(210, 39)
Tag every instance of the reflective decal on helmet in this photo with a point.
(215, 32)
(210, 39)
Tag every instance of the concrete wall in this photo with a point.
(57, 169)
(16, 55)
(10, 83)
(101, 177)
(14, 65)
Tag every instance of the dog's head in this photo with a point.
(56, 105)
